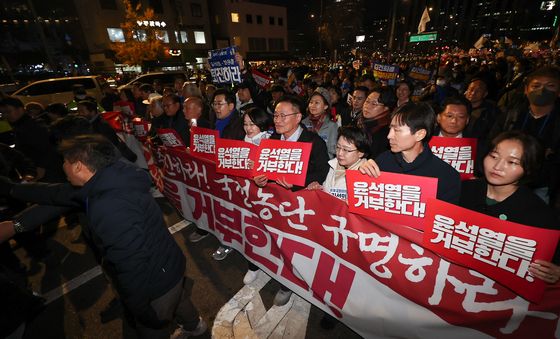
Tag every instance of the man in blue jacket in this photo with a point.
(125, 223)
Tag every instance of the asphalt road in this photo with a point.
(70, 278)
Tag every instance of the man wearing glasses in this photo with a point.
(230, 126)
(287, 119)
(228, 122)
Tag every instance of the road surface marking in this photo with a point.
(83, 278)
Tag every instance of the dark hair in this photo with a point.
(546, 71)
(259, 117)
(336, 89)
(533, 152)
(387, 97)
(294, 101)
(128, 93)
(362, 89)
(174, 97)
(93, 150)
(146, 88)
(482, 80)
(57, 108)
(11, 101)
(356, 136)
(70, 126)
(89, 105)
(277, 88)
(457, 100)
(229, 96)
(416, 116)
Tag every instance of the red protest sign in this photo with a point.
(114, 119)
(499, 249)
(233, 156)
(398, 198)
(261, 79)
(460, 153)
(283, 159)
(170, 137)
(141, 128)
(203, 142)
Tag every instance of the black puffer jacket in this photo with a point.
(127, 226)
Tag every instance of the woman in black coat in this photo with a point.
(511, 163)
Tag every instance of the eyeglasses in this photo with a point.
(281, 115)
(344, 150)
(219, 104)
(374, 103)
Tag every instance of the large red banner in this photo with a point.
(279, 159)
(500, 249)
(398, 198)
(460, 153)
(374, 276)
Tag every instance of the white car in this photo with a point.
(59, 90)
(167, 79)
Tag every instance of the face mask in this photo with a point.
(440, 83)
(541, 97)
(80, 96)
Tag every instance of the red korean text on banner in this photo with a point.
(170, 137)
(261, 79)
(203, 142)
(460, 153)
(371, 275)
(141, 128)
(233, 157)
(499, 249)
(398, 198)
(283, 159)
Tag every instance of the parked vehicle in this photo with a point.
(59, 89)
(166, 78)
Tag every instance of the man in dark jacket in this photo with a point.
(175, 119)
(127, 226)
(411, 129)
(287, 125)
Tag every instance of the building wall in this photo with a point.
(189, 16)
(253, 36)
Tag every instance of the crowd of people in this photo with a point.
(352, 120)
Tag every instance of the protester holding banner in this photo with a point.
(352, 149)
(411, 128)
(512, 163)
(230, 126)
(375, 119)
(255, 123)
(287, 119)
(319, 119)
(403, 92)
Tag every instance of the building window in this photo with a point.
(156, 5)
(140, 35)
(259, 19)
(199, 37)
(163, 36)
(249, 18)
(275, 44)
(271, 20)
(196, 10)
(181, 37)
(108, 4)
(234, 17)
(280, 21)
(115, 34)
(257, 44)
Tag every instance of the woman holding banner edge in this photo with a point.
(512, 162)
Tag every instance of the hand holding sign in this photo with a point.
(370, 168)
(545, 270)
